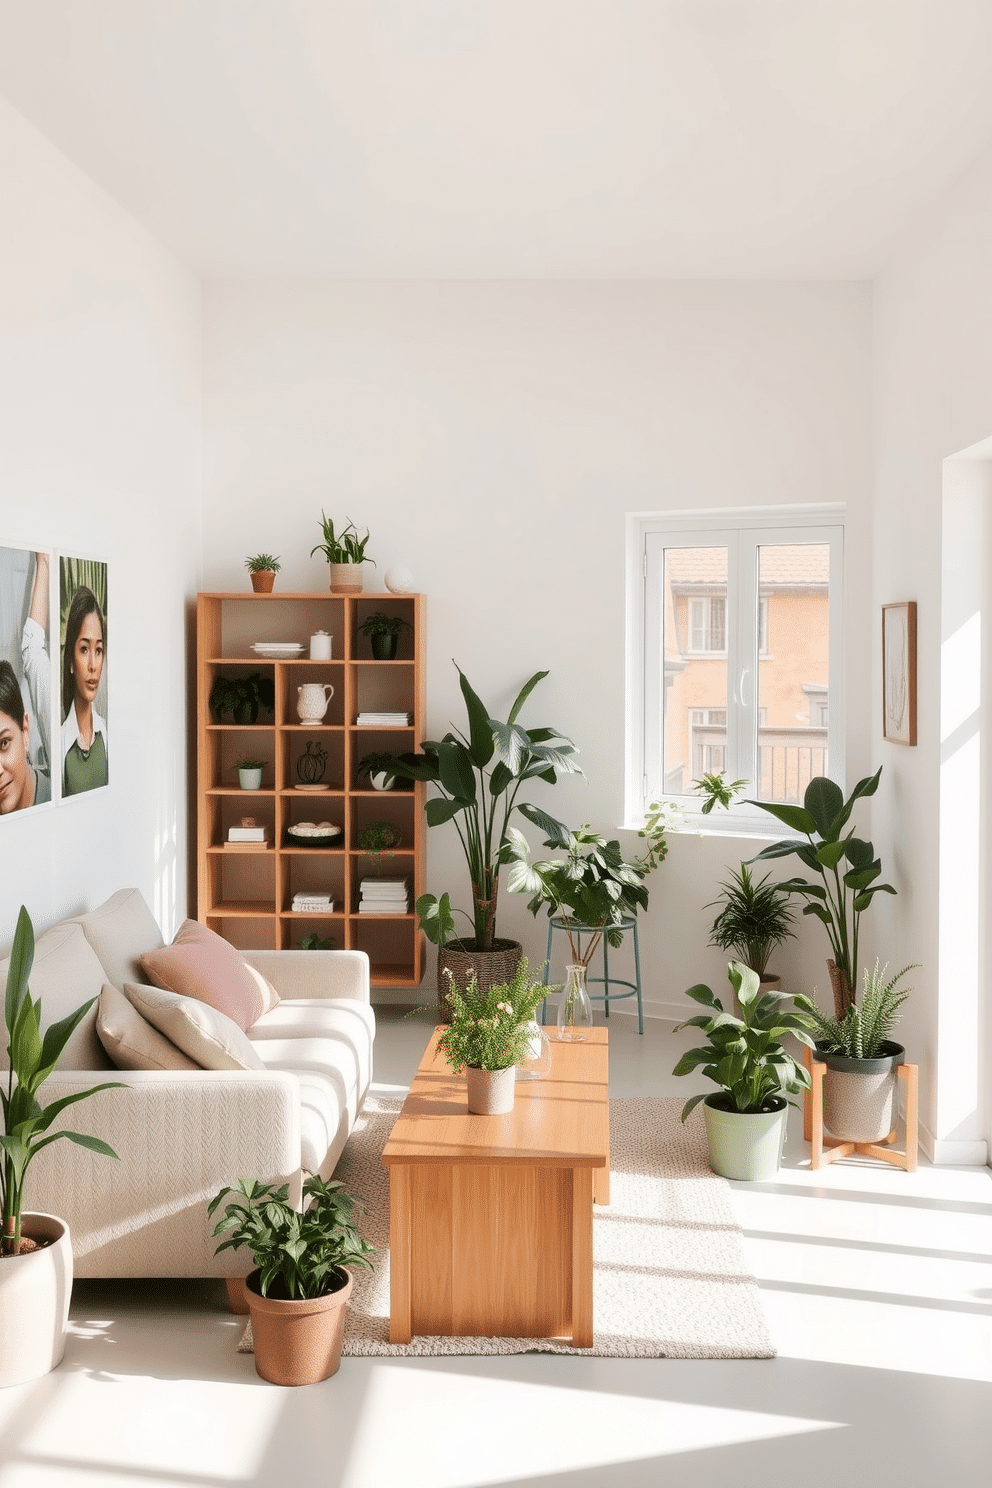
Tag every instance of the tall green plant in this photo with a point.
(32, 1058)
(843, 892)
(478, 777)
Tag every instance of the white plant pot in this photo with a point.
(490, 1092)
(746, 1145)
(250, 779)
(34, 1302)
(382, 781)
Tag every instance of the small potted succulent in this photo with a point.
(744, 1056)
(249, 773)
(490, 1033)
(754, 918)
(345, 554)
(376, 766)
(383, 632)
(299, 1290)
(242, 696)
(262, 568)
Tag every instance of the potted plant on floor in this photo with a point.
(744, 1056)
(490, 1033)
(249, 773)
(300, 1287)
(754, 918)
(383, 632)
(262, 568)
(859, 1085)
(35, 1249)
(478, 777)
(846, 867)
(242, 696)
(345, 554)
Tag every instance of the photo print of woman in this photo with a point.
(25, 681)
(83, 627)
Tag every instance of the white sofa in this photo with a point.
(182, 1135)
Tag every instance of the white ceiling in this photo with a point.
(520, 138)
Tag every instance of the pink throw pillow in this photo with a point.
(203, 965)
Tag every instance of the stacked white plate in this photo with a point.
(278, 650)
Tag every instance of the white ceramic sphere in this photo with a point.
(399, 580)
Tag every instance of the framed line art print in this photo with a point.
(899, 672)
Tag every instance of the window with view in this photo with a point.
(735, 655)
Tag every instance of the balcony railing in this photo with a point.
(789, 758)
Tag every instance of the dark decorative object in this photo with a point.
(383, 632)
(315, 942)
(242, 696)
(379, 837)
(312, 763)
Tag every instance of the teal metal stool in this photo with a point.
(557, 922)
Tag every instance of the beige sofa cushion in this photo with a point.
(131, 1041)
(65, 974)
(203, 965)
(209, 1037)
(332, 1088)
(119, 931)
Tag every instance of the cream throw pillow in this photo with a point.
(204, 1034)
(131, 1041)
(203, 965)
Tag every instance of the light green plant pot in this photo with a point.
(746, 1145)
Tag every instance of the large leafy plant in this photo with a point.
(845, 865)
(488, 1030)
(32, 1058)
(242, 696)
(478, 777)
(865, 1030)
(744, 1055)
(299, 1255)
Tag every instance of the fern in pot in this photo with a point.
(754, 918)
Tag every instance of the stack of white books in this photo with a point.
(385, 896)
(312, 903)
(385, 720)
(246, 834)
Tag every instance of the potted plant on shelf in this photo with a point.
(262, 568)
(846, 867)
(300, 1287)
(345, 554)
(379, 837)
(315, 942)
(383, 632)
(242, 696)
(479, 777)
(490, 1033)
(754, 918)
(744, 1056)
(859, 1085)
(376, 765)
(35, 1249)
(249, 773)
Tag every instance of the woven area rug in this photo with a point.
(670, 1278)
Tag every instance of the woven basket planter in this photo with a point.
(490, 968)
(859, 1095)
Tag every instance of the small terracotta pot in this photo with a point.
(262, 580)
(297, 1343)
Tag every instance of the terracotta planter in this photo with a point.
(297, 1343)
(262, 580)
(490, 968)
(859, 1095)
(345, 578)
(34, 1301)
(490, 1092)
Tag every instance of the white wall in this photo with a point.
(493, 436)
(933, 399)
(99, 456)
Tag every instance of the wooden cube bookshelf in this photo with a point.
(246, 893)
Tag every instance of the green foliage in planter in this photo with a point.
(375, 763)
(31, 1059)
(744, 1056)
(315, 942)
(346, 546)
(488, 1029)
(248, 764)
(242, 696)
(753, 920)
(380, 624)
(379, 837)
(862, 1033)
(299, 1254)
(262, 563)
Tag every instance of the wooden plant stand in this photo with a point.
(826, 1149)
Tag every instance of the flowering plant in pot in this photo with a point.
(35, 1249)
(300, 1287)
(744, 1056)
(262, 568)
(488, 1036)
(345, 554)
(383, 632)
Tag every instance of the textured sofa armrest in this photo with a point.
(180, 1138)
(314, 973)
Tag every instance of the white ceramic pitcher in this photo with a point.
(312, 701)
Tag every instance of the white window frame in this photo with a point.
(741, 531)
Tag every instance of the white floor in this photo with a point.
(878, 1287)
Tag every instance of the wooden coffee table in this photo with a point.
(490, 1217)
